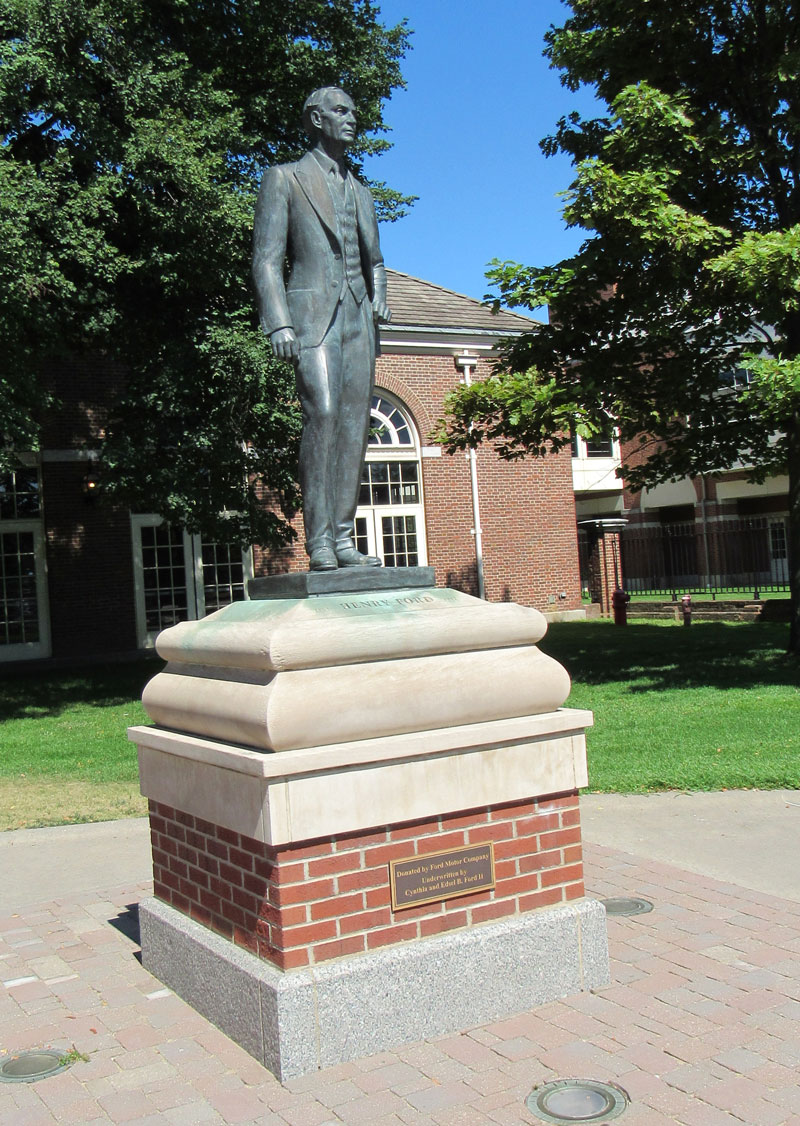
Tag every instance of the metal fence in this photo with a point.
(746, 555)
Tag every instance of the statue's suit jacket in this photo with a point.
(295, 219)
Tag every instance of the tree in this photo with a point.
(133, 139)
(688, 187)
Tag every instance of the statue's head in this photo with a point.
(330, 111)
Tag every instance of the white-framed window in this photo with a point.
(598, 446)
(390, 519)
(180, 577)
(738, 378)
(595, 462)
(24, 620)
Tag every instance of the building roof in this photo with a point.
(418, 303)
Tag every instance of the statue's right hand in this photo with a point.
(284, 344)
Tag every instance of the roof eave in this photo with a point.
(432, 339)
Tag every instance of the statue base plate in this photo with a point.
(346, 580)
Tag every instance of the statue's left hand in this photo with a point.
(381, 311)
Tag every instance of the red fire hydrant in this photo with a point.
(619, 604)
(686, 608)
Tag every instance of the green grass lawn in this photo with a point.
(715, 706)
(64, 753)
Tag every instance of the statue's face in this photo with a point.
(336, 117)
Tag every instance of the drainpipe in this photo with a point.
(467, 364)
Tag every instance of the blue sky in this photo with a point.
(466, 137)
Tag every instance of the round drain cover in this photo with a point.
(627, 905)
(577, 1100)
(27, 1067)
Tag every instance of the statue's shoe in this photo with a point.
(351, 557)
(322, 559)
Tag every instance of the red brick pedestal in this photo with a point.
(309, 743)
(312, 901)
(287, 939)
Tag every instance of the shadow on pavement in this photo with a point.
(127, 923)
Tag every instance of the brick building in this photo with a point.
(81, 578)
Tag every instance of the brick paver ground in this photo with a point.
(699, 1026)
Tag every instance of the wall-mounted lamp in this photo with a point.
(90, 482)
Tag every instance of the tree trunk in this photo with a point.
(793, 435)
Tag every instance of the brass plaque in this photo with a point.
(441, 875)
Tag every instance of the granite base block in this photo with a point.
(297, 1022)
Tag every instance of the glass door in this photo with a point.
(395, 536)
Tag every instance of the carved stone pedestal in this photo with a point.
(365, 822)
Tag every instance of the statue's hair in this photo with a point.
(315, 99)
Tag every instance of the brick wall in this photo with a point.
(308, 903)
(527, 507)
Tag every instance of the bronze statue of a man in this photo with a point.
(321, 314)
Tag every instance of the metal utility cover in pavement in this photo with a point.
(627, 905)
(27, 1067)
(577, 1100)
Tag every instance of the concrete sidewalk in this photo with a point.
(746, 837)
(43, 864)
(699, 1026)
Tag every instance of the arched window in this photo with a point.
(389, 426)
(390, 521)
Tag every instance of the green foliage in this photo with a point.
(688, 189)
(520, 412)
(72, 1056)
(132, 141)
(765, 267)
(228, 426)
